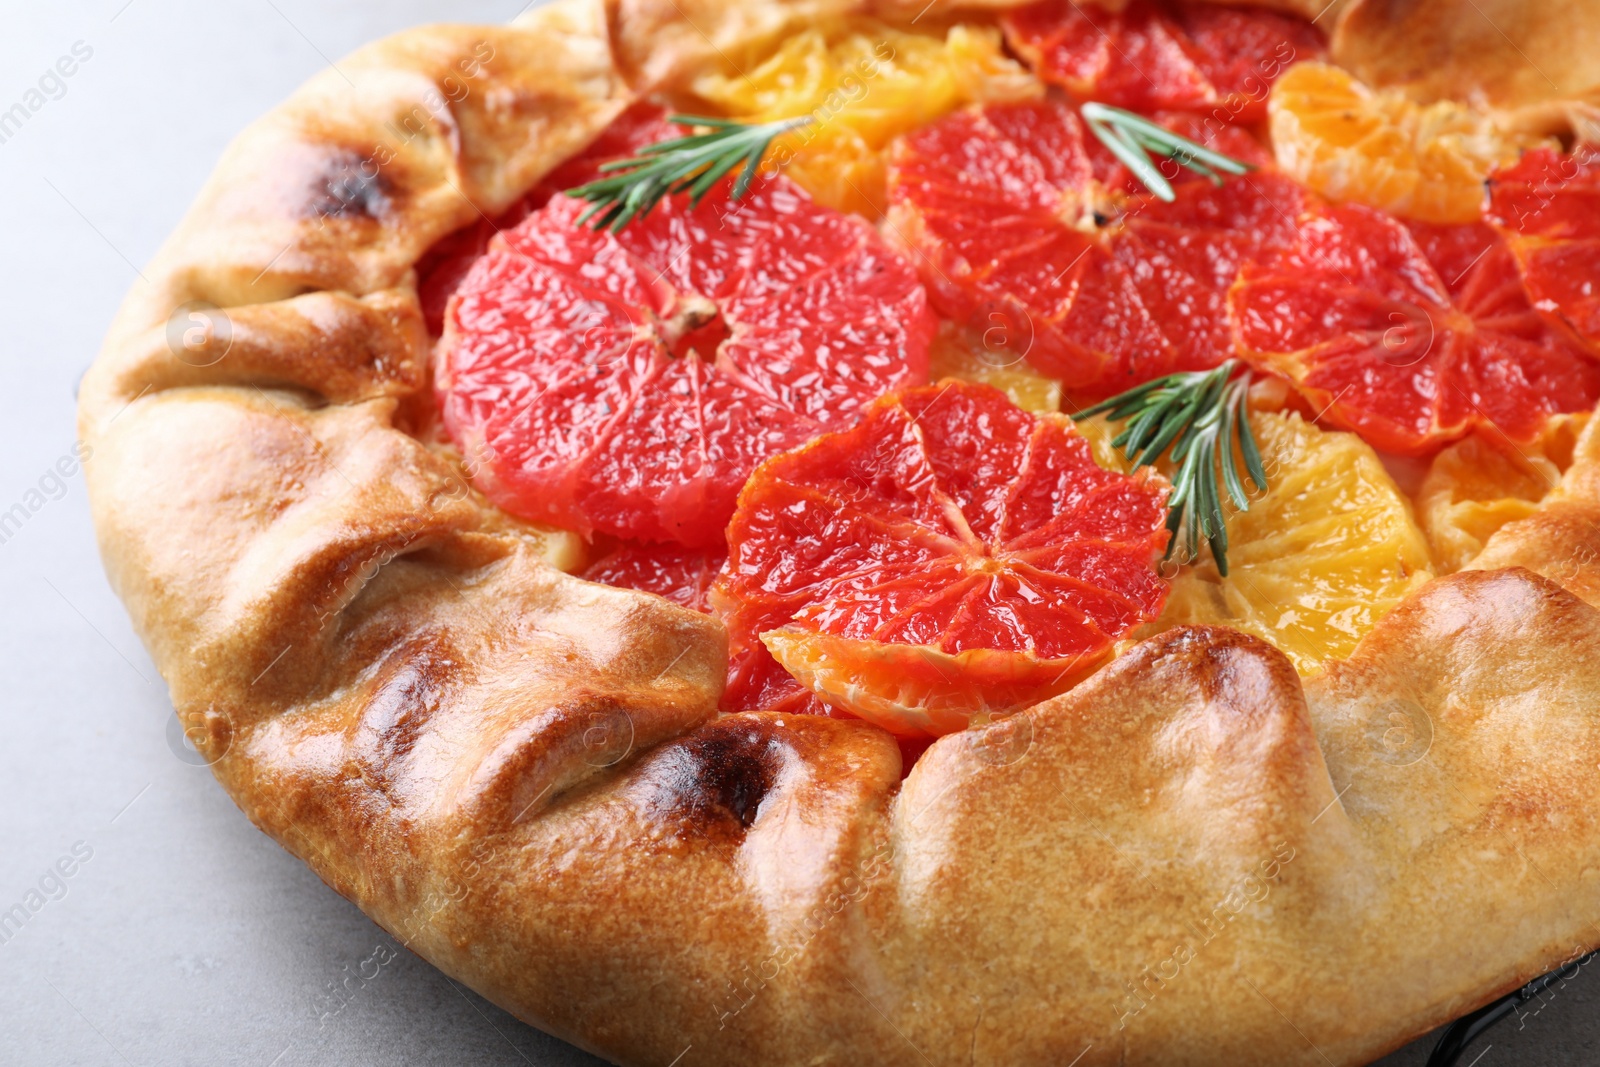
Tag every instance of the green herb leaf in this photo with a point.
(1130, 137)
(694, 164)
(1199, 415)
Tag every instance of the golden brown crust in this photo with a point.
(1533, 59)
(1188, 859)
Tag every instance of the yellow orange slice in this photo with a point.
(865, 83)
(1324, 553)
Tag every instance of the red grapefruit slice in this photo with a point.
(1040, 241)
(629, 383)
(1199, 57)
(950, 556)
(1412, 335)
(1548, 205)
(442, 268)
(682, 575)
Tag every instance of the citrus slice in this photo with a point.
(442, 268)
(864, 83)
(951, 556)
(1026, 234)
(682, 575)
(1548, 204)
(1412, 336)
(1159, 56)
(1379, 148)
(628, 383)
(1480, 483)
(970, 357)
(1325, 552)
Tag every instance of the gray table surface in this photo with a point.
(187, 937)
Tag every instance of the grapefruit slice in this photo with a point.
(628, 383)
(1382, 149)
(951, 556)
(1549, 206)
(682, 575)
(1410, 335)
(1163, 56)
(1042, 243)
(442, 268)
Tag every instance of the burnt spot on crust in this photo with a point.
(349, 185)
(713, 782)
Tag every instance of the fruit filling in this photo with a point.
(727, 399)
(952, 556)
(1154, 56)
(1412, 336)
(627, 383)
(1026, 231)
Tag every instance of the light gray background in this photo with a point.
(188, 937)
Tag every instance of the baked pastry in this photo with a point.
(1196, 854)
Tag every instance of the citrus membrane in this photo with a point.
(1218, 61)
(628, 383)
(950, 557)
(864, 83)
(1548, 205)
(1327, 550)
(1380, 148)
(1411, 335)
(1043, 244)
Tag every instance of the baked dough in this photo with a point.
(1193, 858)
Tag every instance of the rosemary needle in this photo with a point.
(1133, 139)
(694, 164)
(1199, 415)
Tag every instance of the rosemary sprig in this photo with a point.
(1131, 139)
(631, 187)
(1199, 414)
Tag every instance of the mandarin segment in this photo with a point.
(1413, 336)
(628, 383)
(1029, 235)
(1480, 483)
(864, 83)
(951, 556)
(1198, 57)
(1380, 148)
(1327, 550)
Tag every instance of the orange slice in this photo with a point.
(950, 557)
(864, 83)
(1482, 482)
(1379, 148)
(1412, 336)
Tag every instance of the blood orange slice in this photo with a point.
(950, 556)
(1549, 206)
(442, 268)
(1412, 335)
(1156, 56)
(629, 383)
(682, 575)
(1024, 232)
